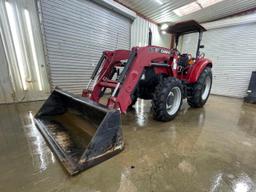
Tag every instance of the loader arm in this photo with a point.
(139, 59)
(111, 59)
(134, 62)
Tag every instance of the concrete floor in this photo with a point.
(209, 149)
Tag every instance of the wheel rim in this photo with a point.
(207, 87)
(173, 101)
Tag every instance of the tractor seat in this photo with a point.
(183, 61)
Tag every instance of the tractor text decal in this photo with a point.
(159, 50)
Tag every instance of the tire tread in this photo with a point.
(159, 98)
(196, 90)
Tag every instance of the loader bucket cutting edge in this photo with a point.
(81, 132)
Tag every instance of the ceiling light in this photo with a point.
(163, 32)
(187, 9)
(159, 2)
(164, 26)
(207, 3)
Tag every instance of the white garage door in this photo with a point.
(232, 50)
(76, 32)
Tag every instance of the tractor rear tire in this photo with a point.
(200, 91)
(167, 99)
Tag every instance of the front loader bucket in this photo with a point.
(81, 132)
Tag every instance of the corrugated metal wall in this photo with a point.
(232, 50)
(76, 32)
(139, 34)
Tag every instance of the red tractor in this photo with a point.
(163, 75)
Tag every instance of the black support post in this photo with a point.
(97, 66)
(199, 43)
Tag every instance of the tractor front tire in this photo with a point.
(200, 91)
(167, 99)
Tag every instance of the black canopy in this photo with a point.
(186, 27)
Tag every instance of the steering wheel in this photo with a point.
(175, 50)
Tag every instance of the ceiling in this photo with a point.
(162, 13)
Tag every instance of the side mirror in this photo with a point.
(201, 46)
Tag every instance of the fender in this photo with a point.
(197, 69)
